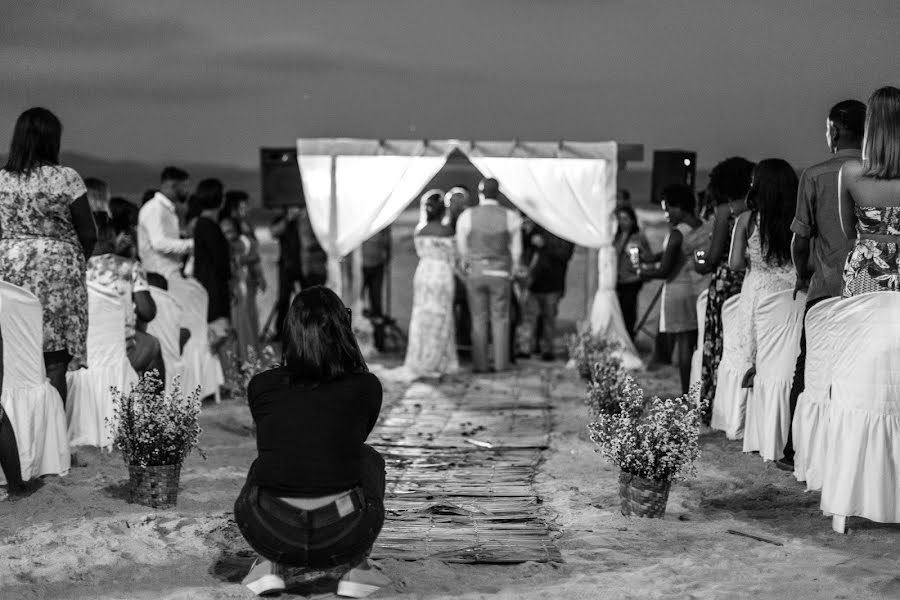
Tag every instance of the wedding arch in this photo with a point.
(356, 187)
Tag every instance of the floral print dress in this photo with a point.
(40, 251)
(432, 335)
(874, 266)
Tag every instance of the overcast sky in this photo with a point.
(211, 81)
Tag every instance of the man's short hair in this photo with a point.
(680, 195)
(626, 195)
(173, 174)
(490, 188)
(849, 116)
(97, 190)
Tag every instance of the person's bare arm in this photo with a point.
(718, 245)
(144, 306)
(845, 200)
(83, 222)
(737, 258)
(669, 259)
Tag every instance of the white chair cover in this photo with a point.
(779, 323)
(166, 328)
(697, 357)
(90, 403)
(862, 462)
(202, 368)
(32, 405)
(810, 423)
(730, 402)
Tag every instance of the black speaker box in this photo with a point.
(280, 175)
(672, 166)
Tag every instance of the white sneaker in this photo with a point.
(264, 578)
(361, 581)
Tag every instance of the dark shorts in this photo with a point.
(280, 532)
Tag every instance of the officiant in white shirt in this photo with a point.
(160, 246)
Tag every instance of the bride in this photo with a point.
(431, 351)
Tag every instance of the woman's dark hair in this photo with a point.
(106, 232)
(433, 208)
(881, 142)
(635, 228)
(147, 195)
(319, 344)
(208, 195)
(123, 213)
(35, 141)
(773, 196)
(233, 199)
(730, 179)
(680, 195)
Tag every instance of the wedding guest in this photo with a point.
(98, 194)
(247, 275)
(678, 316)
(47, 232)
(819, 247)
(212, 252)
(376, 255)
(489, 240)
(870, 201)
(314, 496)
(160, 245)
(761, 245)
(313, 258)
(729, 182)
(286, 229)
(126, 278)
(456, 200)
(623, 198)
(431, 350)
(629, 240)
(547, 257)
(124, 218)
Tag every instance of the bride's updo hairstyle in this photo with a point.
(432, 206)
(319, 344)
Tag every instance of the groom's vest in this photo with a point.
(489, 237)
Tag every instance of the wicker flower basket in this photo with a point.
(643, 497)
(156, 487)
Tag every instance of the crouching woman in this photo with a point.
(314, 496)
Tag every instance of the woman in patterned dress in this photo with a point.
(870, 201)
(47, 232)
(729, 182)
(432, 337)
(762, 246)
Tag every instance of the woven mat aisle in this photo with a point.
(461, 458)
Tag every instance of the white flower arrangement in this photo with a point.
(586, 349)
(654, 439)
(606, 385)
(152, 428)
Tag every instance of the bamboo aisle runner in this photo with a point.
(461, 460)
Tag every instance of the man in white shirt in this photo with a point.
(160, 246)
(489, 239)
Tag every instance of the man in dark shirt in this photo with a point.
(290, 273)
(313, 259)
(547, 257)
(819, 247)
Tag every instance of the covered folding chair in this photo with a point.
(861, 474)
(202, 368)
(810, 415)
(779, 323)
(31, 403)
(697, 357)
(730, 401)
(90, 403)
(166, 328)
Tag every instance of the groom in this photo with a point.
(489, 239)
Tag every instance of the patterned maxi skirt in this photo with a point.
(725, 284)
(432, 335)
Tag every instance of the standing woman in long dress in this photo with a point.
(47, 232)
(870, 201)
(729, 182)
(431, 351)
(247, 272)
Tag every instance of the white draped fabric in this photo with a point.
(779, 322)
(697, 357)
(166, 328)
(202, 368)
(862, 460)
(730, 402)
(351, 197)
(810, 416)
(31, 403)
(90, 403)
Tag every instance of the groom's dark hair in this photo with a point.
(490, 188)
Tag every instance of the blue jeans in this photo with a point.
(284, 537)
